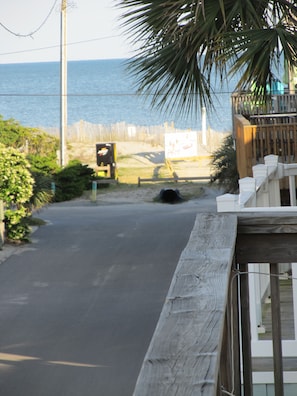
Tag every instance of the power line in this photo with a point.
(58, 45)
(119, 94)
(34, 31)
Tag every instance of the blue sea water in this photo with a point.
(99, 92)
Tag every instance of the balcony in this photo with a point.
(206, 341)
(263, 129)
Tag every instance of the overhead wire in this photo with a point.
(58, 45)
(119, 94)
(34, 31)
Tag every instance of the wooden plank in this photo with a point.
(268, 226)
(262, 223)
(106, 181)
(172, 179)
(268, 229)
(266, 238)
(287, 314)
(246, 330)
(276, 331)
(235, 322)
(184, 355)
(266, 248)
(294, 143)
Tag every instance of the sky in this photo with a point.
(93, 31)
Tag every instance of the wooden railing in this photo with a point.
(202, 344)
(265, 238)
(245, 104)
(194, 350)
(264, 128)
(254, 142)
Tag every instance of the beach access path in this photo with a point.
(78, 306)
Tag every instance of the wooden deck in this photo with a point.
(265, 364)
(263, 129)
(287, 315)
(203, 336)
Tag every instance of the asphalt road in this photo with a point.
(79, 305)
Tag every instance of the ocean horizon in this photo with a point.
(99, 92)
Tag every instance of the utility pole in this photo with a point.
(63, 81)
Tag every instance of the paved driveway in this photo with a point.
(78, 306)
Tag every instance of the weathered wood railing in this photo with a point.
(202, 344)
(192, 351)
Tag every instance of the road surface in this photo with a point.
(79, 305)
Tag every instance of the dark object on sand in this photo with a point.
(169, 195)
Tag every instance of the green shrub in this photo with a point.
(16, 225)
(27, 160)
(16, 187)
(29, 140)
(43, 164)
(225, 167)
(72, 181)
(42, 191)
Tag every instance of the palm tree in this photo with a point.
(184, 43)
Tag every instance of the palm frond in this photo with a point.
(183, 44)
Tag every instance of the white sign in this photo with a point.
(181, 145)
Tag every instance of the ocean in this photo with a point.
(99, 92)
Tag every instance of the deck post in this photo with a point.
(292, 188)
(276, 331)
(246, 331)
(260, 173)
(234, 300)
(294, 287)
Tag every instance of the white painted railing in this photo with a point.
(261, 193)
(262, 190)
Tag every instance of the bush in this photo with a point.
(16, 182)
(225, 166)
(28, 140)
(24, 181)
(42, 191)
(72, 181)
(16, 187)
(16, 225)
(47, 165)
